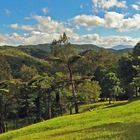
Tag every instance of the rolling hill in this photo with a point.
(16, 58)
(122, 47)
(106, 122)
(42, 50)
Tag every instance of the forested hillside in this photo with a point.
(43, 50)
(39, 83)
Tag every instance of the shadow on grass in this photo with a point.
(118, 130)
(123, 103)
(117, 104)
(134, 99)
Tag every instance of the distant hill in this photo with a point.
(84, 47)
(42, 50)
(34, 55)
(122, 47)
(126, 50)
(16, 58)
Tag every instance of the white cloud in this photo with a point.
(46, 29)
(105, 41)
(136, 7)
(45, 10)
(88, 20)
(22, 27)
(40, 38)
(99, 5)
(44, 24)
(11, 39)
(110, 20)
(122, 24)
(113, 20)
(48, 25)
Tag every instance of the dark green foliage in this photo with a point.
(111, 86)
(5, 70)
(136, 50)
(89, 91)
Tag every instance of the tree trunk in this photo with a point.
(59, 103)
(73, 90)
(2, 116)
(38, 113)
(110, 99)
(2, 125)
(70, 108)
(49, 106)
(136, 91)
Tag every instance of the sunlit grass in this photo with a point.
(120, 121)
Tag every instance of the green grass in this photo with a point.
(117, 122)
(14, 52)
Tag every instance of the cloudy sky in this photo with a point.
(105, 23)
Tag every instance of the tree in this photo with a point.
(27, 73)
(100, 73)
(47, 95)
(136, 50)
(89, 90)
(5, 70)
(41, 87)
(111, 86)
(63, 52)
(135, 84)
(3, 100)
(92, 59)
(126, 72)
(8, 101)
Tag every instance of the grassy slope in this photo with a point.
(109, 123)
(16, 58)
(15, 52)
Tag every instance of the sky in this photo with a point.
(105, 23)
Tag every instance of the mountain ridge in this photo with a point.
(43, 50)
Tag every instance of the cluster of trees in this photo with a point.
(30, 95)
(129, 72)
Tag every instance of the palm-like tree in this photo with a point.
(64, 53)
(44, 87)
(7, 99)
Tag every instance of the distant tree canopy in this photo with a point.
(27, 72)
(5, 70)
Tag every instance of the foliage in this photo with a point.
(111, 86)
(89, 91)
(136, 50)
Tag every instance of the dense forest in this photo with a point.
(41, 83)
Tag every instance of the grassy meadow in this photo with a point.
(120, 121)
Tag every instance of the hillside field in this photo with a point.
(120, 121)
